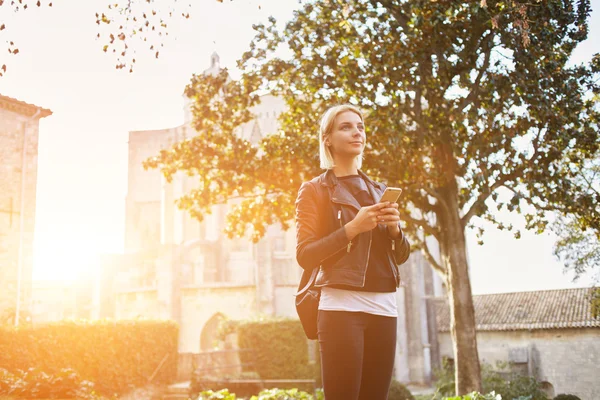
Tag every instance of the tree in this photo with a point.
(579, 247)
(125, 26)
(15, 6)
(466, 117)
(122, 26)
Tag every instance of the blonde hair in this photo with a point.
(325, 128)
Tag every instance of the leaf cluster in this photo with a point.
(279, 349)
(132, 23)
(497, 381)
(36, 384)
(578, 244)
(130, 353)
(16, 6)
(462, 112)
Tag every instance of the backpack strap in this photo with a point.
(310, 283)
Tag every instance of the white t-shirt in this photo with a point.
(378, 303)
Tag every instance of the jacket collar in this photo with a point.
(328, 178)
(341, 195)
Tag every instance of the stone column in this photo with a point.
(401, 367)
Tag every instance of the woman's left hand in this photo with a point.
(390, 216)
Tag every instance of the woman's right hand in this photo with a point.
(365, 220)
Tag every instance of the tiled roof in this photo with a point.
(22, 107)
(545, 309)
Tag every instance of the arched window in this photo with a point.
(208, 337)
(548, 389)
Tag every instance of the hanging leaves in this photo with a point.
(15, 6)
(447, 111)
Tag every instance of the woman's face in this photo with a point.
(347, 138)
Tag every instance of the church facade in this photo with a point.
(19, 134)
(178, 268)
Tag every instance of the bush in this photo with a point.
(476, 396)
(279, 349)
(206, 383)
(399, 392)
(566, 397)
(269, 394)
(116, 356)
(35, 384)
(509, 385)
(282, 394)
(220, 395)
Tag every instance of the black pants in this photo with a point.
(357, 354)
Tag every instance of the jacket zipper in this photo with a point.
(341, 226)
(395, 270)
(368, 256)
(350, 244)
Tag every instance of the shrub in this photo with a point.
(205, 383)
(566, 397)
(116, 356)
(220, 395)
(476, 396)
(509, 385)
(279, 349)
(282, 394)
(269, 394)
(35, 384)
(399, 392)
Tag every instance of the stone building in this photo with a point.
(178, 268)
(53, 301)
(19, 130)
(548, 334)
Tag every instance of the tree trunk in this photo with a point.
(462, 312)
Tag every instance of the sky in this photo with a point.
(82, 164)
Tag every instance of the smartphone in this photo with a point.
(391, 194)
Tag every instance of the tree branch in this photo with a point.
(427, 228)
(530, 200)
(486, 193)
(431, 260)
(423, 204)
(433, 193)
(500, 182)
(400, 17)
(475, 87)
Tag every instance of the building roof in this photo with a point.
(21, 107)
(544, 309)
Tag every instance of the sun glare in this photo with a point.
(70, 262)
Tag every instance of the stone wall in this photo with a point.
(12, 129)
(201, 304)
(144, 188)
(567, 359)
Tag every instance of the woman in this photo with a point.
(356, 242)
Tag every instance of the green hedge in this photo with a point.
(115, 355)
(279, 349)
(399, 392)
(36, 384)
(499, 380)
(270, 394)
(206, 382)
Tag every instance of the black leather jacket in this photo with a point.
(323, 207)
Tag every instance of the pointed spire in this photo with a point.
(215, 61)
(215, 64)
(256, 134)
